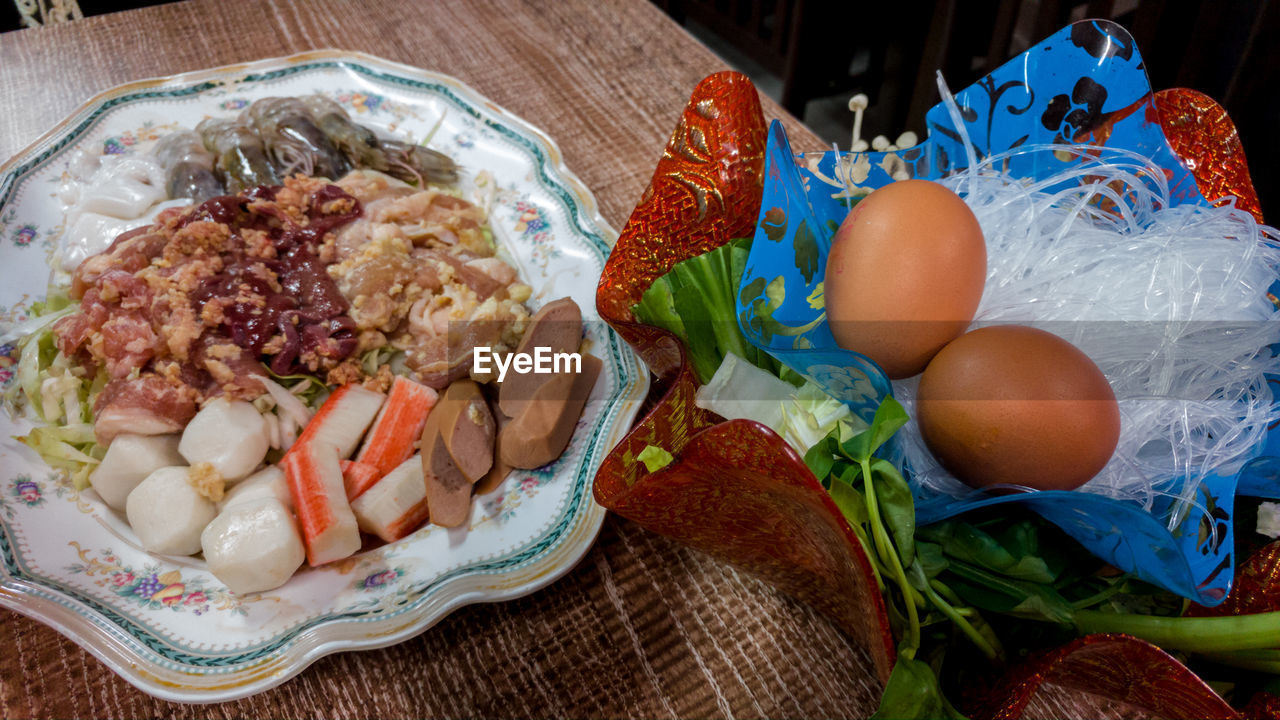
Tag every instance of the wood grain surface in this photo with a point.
(642, 627)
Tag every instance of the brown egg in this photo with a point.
(1013, 404)
(905, 274)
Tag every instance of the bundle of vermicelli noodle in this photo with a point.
(1172, 304)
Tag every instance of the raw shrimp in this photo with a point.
(407, 162)
(188, 167)
(356, 142)
(419, 165)
(241, 157)
(293, 140)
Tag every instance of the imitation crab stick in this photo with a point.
(329, 529)
(358, 477)
(396, 505)
(398, 425)
(342, 420)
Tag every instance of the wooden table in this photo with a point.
(642, 627)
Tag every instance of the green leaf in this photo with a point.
(700, 337)
(847, 473)
(851, 503)
(810, 416)
(654, 458)
(72, 448)
(1014, 558)
(889, 417)
(53, 303)
(930, 559)
(897, 619)
(913, 693)
(1019, 598)
(738, 253)
(806, 250)
(1025, 534)
(315, 388)
(917, 577)
(821, 457)
(657, 306)
(786, 373)
(897, 507)
(695, 301)
(1023, 543)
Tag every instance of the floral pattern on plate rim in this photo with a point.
(153, 587)
(136, 651)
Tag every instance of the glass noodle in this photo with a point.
(1170, 302)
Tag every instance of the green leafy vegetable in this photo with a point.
(889, 417)
(1017, 558)
(695, 301)
(1002, 594)
(821, 458)
(931, 558)
(803, 416)
(913, 692)
(810, 415)
(55, 301)
(897, 508)
(941, 582)
(876, 501)
(740, 390)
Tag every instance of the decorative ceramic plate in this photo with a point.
(166, 624)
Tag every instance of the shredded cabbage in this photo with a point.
(52, 392)
(810, 415)
(308, 388)
(802, 416)
(41, 315)
(286, 402)
(376, 358)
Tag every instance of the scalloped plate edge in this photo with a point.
(110, 645)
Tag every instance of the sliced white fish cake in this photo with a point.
(253, 545)
(268, 482)
(167, 514)
(129, 460)
(230, 435)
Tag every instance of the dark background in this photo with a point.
(820, 52)
(816, 54)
